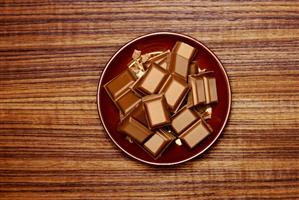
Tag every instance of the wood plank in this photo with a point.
(52, 144)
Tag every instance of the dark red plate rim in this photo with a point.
(125, 145)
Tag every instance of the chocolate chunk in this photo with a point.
(181, 56)
(134, 129)
(195, 133)
(198, 90)
(184, 50)
(203, 87)
(152, 80)
(210, 89)
(127, 101)
(119, 85)
(183, 119)
(156, 110)
(179, 65)
(139, 114)
(174, 89)
(157, 143)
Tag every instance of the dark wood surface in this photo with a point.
(52, 145)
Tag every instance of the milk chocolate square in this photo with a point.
(195, 133)
(120, 84)
(198, 90)
(139, 114)
(128, 101)
(204, 89)
(183, 119)
(134, 129)
(152, 80)
(157, 143)
(181, 56)
(184, 50)
(174, 89)
(156, 110)
(179, 65)
(210, 89)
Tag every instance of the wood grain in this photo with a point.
(52, 145)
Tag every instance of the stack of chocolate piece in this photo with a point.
(164, 97)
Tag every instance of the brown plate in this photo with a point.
(162, 41)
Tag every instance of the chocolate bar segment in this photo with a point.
(118, 85)
(183, 119)
(134, 129)
(179, 65)
(195, 134)
(152, 80)
(127, 101)
(156, 110)
(198, 90)
(174, 89)
(184, 50)
(157, 143)
(181, 56)
(203, 87)
(210, 89)
(139, 114)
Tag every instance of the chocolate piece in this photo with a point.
(210, 89)
(118, 85)
(184, 50)
(196, 133)
(198, 90)
(136, 54)
(162, 60)
(182, 54)
(164, 64)
(134, 129)
(137, 69)
(158, 143)
(139, 114)
(145, 57)
(203, 87)
(159, 58)
(174, 89)
(179, 65)
(193, 68)
(189, 103)
(127, 101)
(152, 80)
(183, 119)
(147, 62)
(156, 110)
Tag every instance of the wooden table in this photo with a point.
(52, 144)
